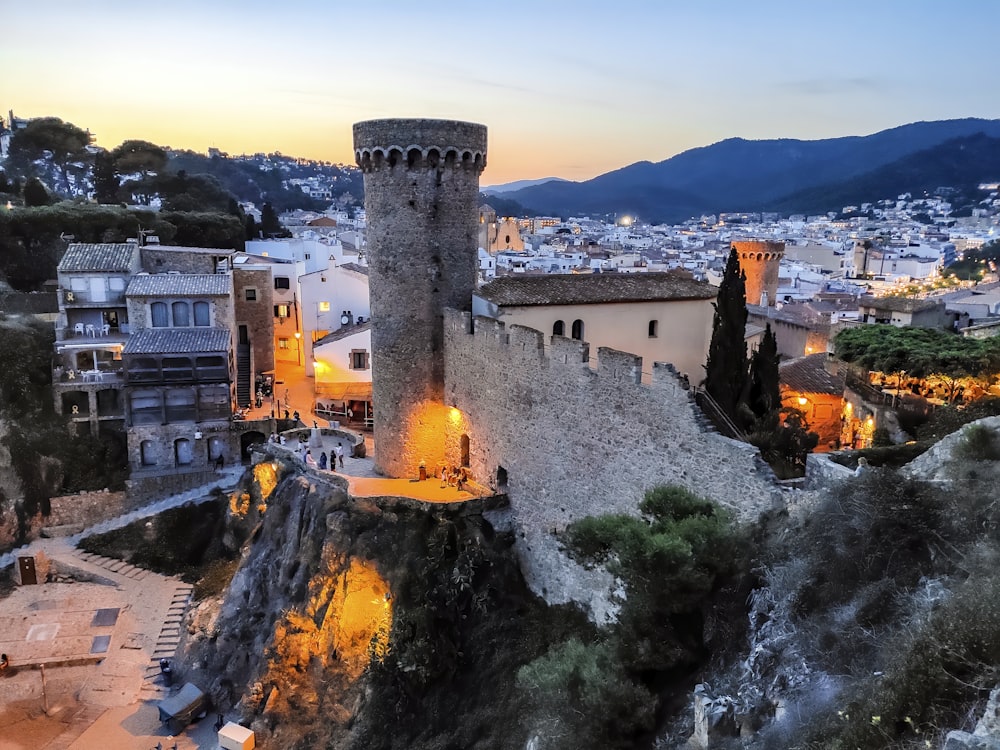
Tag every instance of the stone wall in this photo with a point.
(160, 258)
(422, 204)
(256, 315)
(86, 508)
(574, 441)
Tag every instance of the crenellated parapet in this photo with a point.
(419, 145)
(566, 439)
(759, 260)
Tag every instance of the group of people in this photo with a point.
(325, 462)
(455, 476)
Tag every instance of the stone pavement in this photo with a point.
(100, 639)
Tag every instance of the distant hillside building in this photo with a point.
(903, 312)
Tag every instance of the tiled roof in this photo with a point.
(179, 284)
(356, 267)
(900, 304)
(83, 256)
(570, 289)
(177, 341)
(809, 375)
(343, 333)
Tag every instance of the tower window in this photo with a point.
(653, 325)
(578, 329)
(559, 328)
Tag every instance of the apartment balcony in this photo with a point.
(89, 298)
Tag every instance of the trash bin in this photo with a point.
(167, 672)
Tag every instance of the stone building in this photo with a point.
(91, 330)
(565, 435)
(807, 385)
(662, 317)
(759, 260)
(152, 344)
(421, 201)
(903, 311)
(180, 371)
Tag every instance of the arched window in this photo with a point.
(653, 325)
(559, 329)
(578, 329)
(158, 314)
(201, 316)
(147, 453)
(182, 314)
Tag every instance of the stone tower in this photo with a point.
(759, 260)
(422, 205)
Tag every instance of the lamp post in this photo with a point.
(298, 348)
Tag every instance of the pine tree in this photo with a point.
(105, 178)
(726, 368)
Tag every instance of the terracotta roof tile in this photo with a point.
(177, 341)
(81, 256)
(179, 284)
(573, 289)
(809, 375)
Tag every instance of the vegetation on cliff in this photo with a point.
(48, 458)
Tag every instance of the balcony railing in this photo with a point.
(72, 297)
(66, 376)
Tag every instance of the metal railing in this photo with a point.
(722, 421)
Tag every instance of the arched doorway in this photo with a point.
(501, 479)
(216, 449)
(247, 441)
(465, 449)
(182, 452)
(147, 453)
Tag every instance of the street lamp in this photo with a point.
(298, 348)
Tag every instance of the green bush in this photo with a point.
(978, 443)
(583, 690)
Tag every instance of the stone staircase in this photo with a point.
(226, 479)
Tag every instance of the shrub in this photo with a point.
(978, 443)
(586, 696)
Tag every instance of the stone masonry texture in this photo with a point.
(421, 199)
(576, 442)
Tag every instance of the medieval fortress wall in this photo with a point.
(575, 442)
(563, 440)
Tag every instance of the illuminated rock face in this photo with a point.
(421, 201)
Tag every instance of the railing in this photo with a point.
(62, 376)
(723, 423)
(86, 297)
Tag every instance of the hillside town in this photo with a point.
(475, 387)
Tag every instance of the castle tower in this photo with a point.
(759, 260)
(422, 205)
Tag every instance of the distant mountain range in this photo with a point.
(785, 175)
(518, 184)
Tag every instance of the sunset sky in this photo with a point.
(568, 88)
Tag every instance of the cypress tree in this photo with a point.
(763, 388)
(726, 367)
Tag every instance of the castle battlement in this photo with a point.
(571, 357)
(419, 144)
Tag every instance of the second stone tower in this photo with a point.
(421, 200)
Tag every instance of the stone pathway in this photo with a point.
(110, 701)
(227, 479)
